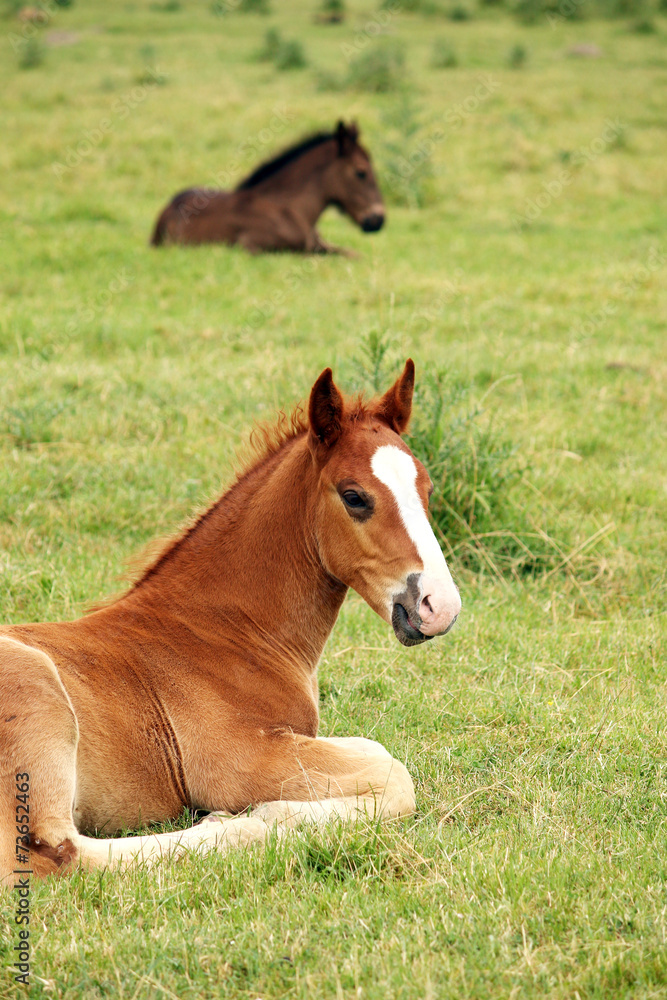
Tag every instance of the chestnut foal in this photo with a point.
(198, 687)
(278, 205)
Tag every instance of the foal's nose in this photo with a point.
(373, 222)
(439, 609)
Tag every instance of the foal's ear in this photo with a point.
(325, 410)
(346, 136)
(395, 406)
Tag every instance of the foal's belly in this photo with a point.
(111, 797)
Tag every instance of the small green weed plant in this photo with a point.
(380, 70)
(479, 505)
(284, 53)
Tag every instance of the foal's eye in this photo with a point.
(353, 499)
(362, 175)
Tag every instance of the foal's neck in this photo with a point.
(250, 571)
(302, 183)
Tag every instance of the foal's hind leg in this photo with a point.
(38, 739)
(226, 832)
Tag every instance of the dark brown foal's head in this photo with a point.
(370, 510)
(351, 183)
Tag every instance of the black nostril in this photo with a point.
(372, 223)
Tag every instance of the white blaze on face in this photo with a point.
(398, 472)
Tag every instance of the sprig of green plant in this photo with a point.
(29, 425)
(405, 154)
(476, 469)
(379, 70)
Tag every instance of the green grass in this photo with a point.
(129, 378)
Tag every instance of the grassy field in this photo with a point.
(525, 256)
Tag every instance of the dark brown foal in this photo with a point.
(278, 205)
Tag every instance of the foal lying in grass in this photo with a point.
(278, 205)
(198, 687)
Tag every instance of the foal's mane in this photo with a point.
(271, 167)
(266, 440)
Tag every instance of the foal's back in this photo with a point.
(198, 215)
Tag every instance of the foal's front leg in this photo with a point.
(269, 230)
(322, 246)
(332, 778)
(375, 785)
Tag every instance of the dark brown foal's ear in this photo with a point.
(340, 136)
(325, 410)
(346, 136)
(395, 406)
